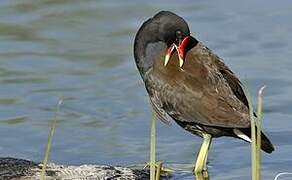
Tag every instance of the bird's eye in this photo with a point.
(178, 34)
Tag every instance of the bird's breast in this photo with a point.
(196, 68)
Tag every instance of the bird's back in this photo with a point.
(200, 92)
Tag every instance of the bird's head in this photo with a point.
(174, 31)
(167, 28)
(178, 44)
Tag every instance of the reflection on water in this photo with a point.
(82, 51)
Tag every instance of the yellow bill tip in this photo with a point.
(181, 62)
(166, 59)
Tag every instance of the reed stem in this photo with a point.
(259, 130)
(153, 146)
(50, 138)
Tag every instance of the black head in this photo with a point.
(164, 28)
(170, 27)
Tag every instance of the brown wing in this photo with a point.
(159, 111)
(200, 92)
(232, 80)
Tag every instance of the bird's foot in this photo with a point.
(159, 169)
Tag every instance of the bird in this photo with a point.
(189, 84)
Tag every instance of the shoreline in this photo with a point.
(15, 168)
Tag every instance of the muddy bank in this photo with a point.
(12, 168)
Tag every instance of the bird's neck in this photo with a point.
(146, 53)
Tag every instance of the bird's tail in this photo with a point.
(266, 144)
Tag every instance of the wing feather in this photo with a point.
(204, 92)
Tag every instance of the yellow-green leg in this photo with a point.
(201, 163)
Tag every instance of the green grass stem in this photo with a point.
(153, 146)
(253, 135)
(256, 128)
(259, 130)
(50, 138)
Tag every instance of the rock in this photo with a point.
(12, 168)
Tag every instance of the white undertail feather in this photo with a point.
(241, 135)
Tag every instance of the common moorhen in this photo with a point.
(190, 84)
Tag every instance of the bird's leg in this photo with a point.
(201, 163)
(205, 168)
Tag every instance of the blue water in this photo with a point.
(82, 51)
